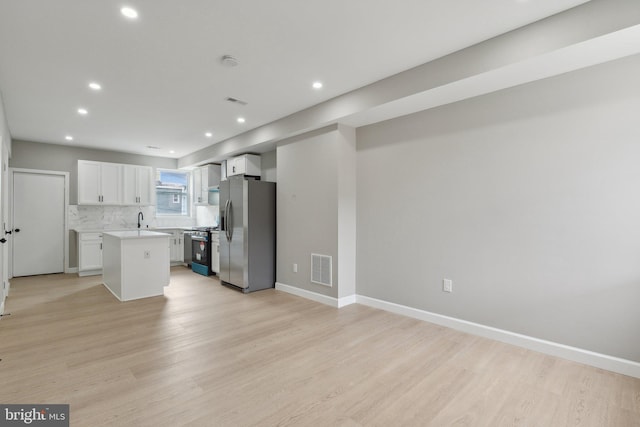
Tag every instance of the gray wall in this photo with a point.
(311, 215)
(268, 163)
(528, 199)
(35, 155)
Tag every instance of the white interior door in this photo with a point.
(4, 217)
(38, 223)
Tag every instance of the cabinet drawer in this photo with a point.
(90, 236)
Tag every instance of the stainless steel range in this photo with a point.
(201, 249)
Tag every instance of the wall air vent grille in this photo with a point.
(321, 269)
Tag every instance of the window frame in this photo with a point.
(186, 193)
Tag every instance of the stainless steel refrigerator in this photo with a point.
(247, 233)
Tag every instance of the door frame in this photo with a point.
(65, 255)
(5, 283)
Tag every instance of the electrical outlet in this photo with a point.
(147, 254)
(295, 268)
(447, 285)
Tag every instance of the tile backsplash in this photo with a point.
(207, 216)
(120, 217)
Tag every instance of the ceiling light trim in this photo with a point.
(129, 12)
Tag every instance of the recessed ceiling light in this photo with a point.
(68, 138)
(317, 85)
(95, 86)
(129, 12)
(208, 134)
(241, 120)
(83, 111)
(171, 152)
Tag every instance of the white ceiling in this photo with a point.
(164, 85)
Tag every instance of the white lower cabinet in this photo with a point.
(215, 252)
(90, 250)
(176, 243)
(89, 253)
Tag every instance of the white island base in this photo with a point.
(135, 263)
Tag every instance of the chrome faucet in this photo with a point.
(140, 218)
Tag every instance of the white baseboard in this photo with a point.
(331, 301)
(603, 361)
(2, 307)
(71, 270)
(598, 360)
(112, 293)
(90, 273)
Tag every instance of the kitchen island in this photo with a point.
(135, 263)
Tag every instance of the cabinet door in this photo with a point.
(172, 248)
(215, 256)
(129, 184)
(197, 186)
(136, 185)
(204, 183)
(247, 164)
(88, 183)
(144, 186)
(176, 253)
(110, 183)
(237, 166)
(90, 256)
(223, 170)
(179, 246)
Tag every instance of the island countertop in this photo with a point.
(135, 234)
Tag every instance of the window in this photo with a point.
(172, 192)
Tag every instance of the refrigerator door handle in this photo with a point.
(226, 216)
(230, 221)
(223, 219)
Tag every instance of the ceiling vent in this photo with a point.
(236, 101)
(321, 269)
(228, 61)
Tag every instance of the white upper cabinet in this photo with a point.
(99, 183)
(204, 178)
(137, 188)
(197, 187)
(247, 164)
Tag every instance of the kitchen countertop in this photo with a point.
(109, 230)
(135, 234)
(172, 228)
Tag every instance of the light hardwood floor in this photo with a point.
(206, 355)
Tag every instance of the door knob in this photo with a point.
(17, 230)
(8, 232)
(3, 240)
